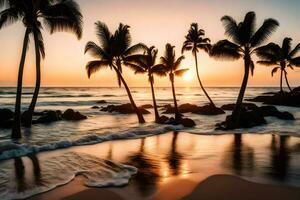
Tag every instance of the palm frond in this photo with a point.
(231, 28)
(135, 49)
(295, 51)
(295, 61)
(103, 34)
(9, 16)
(177, 63)
(252, 67)
(274, 70)
(267, 63)
(225, 49)
(136, 68)
(180, 72)
(158, 70)
(95, 65)
(63, 15)
(247, 27)
(264, 32)
(95, 50)
(41, 43)
(270, 52)
(286, 46)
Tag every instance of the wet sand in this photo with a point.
(180, 165)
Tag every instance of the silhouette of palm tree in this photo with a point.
(245, 41)
(195, 41)
(171, 65)
(113, 49)
(280, 56)
(145, 63)
(60, 15)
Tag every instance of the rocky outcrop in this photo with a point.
(48, 117)
(101, 102)
(6, 117)
(70, 114)
(187, 122)
(95, 107)
(245, 106)
(146, 106)
(191, 108)
(281, 98)
(123, 109)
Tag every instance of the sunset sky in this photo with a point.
(153, 22)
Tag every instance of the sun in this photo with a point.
(188, 76)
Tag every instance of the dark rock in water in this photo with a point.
(171, 120)
(95, 107)
(146, 106)
(280, 98)
(186, 122)
(101, 102)
(70, 114)
(246, 106)
(248, 119)
(49, 116)
(163, 119)
(297, 89)
(123, 109)
(285, 116)
(6, 114)
(267, 111)
(203, 110)
(6, 123)
(209, 110)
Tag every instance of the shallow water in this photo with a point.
(101, 126)
(263, 158)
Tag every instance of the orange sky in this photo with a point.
(154, 23)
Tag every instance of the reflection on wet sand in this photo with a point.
(270, 158)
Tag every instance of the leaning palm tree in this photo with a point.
(110, 53)
(282, 57)
(195, 41)
(171, 65)
(60, 15)
(146, 63)
(244, 42)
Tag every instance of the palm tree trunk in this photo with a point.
(287, 82)
(239, 103)
(198, 76)
(281, 73)
(137, 111)
(177, 114)
(16, 130)
(154, 100)
(29, 114)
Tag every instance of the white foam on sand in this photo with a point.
(59, 170)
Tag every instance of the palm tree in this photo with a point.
(195, 41)
(145, 63)
(282, 57)
(60, 15)
(244, 42)
(111, 52)
(171, 65)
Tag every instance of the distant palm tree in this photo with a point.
(60, 15)
(280, 56)
(195, 41)
(245, 40)
(113, 49)
(146, 63)
(172, 64)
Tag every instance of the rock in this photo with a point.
(6, 114)
(6, 123)
(267, 111)
(163, 119)
(171, 120)
(186, 122)
(123, 109)
(209, 110)
(70, 114)
(146, 106)
(203, 110)
(248, 119)
(285, 116)
(297, 89)
(95, 107)
(246, 106)
(101, 102)
(168, 109)
(49, 116)
(280, 98)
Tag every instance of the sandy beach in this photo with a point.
(179, 168)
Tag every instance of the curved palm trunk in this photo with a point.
(154, 99)
(177, 114)
(239, 103)
(28, 118)
(137, 111)
(16, 130)
(287, 82)
(198, 76)
(281, 73)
